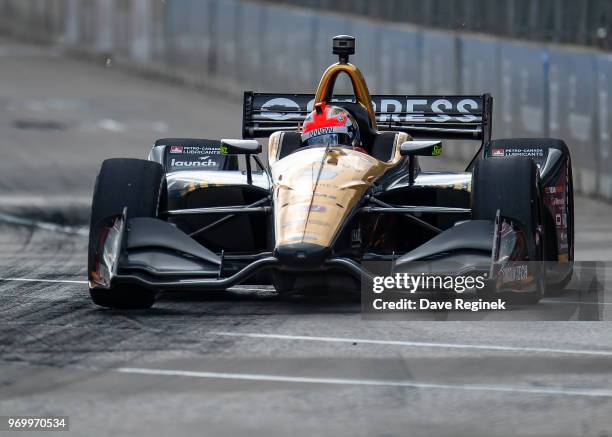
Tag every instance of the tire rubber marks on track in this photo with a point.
(60, 281)
(14, 220)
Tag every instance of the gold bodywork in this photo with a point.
(316, 189)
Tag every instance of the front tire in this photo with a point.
(512, 186)
(140, 186)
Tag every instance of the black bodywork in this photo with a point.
(217, 230)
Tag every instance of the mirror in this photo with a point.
(240, 147)
(421, 148)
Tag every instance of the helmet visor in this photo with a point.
(328, 140)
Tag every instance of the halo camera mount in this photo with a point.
(343, 46)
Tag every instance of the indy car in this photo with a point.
(207, 215)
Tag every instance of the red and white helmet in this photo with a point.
(330, 126)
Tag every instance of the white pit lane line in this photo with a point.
(556, 391)
(573, 302)
(418, 344)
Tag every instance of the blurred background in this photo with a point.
(86, 80)
(584, 22)
(545, 62)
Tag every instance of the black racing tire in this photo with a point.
(124, 297)
(332, 284)
(140, 186)
(560, 285)
(512, 186)
(283, 282)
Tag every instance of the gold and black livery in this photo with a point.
(212, 214)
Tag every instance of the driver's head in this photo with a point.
(330, 126)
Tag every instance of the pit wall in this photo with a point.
(233, 45)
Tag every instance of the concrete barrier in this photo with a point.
(604, 124)
(572, 106)
(233, 45)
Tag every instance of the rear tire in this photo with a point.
(512, 185)
(140, 186)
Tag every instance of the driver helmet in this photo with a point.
(329, 125)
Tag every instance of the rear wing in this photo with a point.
(444, 117)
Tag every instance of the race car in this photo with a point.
(207, 215)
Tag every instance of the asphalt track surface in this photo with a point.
(243, 362)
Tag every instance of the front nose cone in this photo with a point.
(302, 254)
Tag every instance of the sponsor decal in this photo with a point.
(515, 273)
(498, 152)
(316, 208)
(437, 150)
(324, 131)
(223, 150)
(203, 161)
(305, 207)
(330, 186)
(419, 110)
(553, 189)
(277, 106)
(325, 195)
(437, 110)
(296, 223)
(195, 150)
(533, 152)
(292, 223)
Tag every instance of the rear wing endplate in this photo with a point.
(444, 117)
